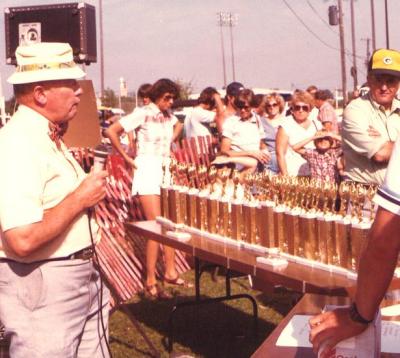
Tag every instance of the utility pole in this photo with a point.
(367, 40)
(373, 25)
(101, 49)
(353, 43)
(220, 24)
(387, 24)
(342, 54)
(232, 22)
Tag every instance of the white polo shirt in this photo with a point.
(194, 122)
(36, 176)
(245, 135)
(388, 194)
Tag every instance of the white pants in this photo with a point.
(51, 309)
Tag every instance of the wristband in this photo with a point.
(356, 317)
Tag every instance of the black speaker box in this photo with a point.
(74, 23)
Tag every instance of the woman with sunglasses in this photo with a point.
(294, 129)
(156, 128)
(274, 107)
(242, 136)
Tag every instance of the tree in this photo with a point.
(186, 88)
(109, 98)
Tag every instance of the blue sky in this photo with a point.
(148, 39)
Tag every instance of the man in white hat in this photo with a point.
(49, 288)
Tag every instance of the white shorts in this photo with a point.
(148, 176)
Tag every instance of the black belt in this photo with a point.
(84, 254)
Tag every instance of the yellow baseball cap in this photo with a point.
(385, 61)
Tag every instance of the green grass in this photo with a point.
(217, 330)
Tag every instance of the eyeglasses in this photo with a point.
(303, 108)
(241, 105)
(386, 79)
(270, 105)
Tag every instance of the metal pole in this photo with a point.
(342, 54)
(220, 23)
(373, 25)
(353, 43)
(101, 49)
(231, 24)
(387, 24)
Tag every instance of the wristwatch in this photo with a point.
(356, 317)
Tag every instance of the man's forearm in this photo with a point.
(384, 153)
(377, 263)
(29, 238)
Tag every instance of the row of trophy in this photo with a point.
(319, 221)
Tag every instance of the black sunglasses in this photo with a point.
(241, 105)
(303, 108)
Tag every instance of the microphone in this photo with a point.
(100, 158)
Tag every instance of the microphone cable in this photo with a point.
(100, 314)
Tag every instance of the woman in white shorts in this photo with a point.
(156, 128)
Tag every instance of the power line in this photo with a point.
(314, 34)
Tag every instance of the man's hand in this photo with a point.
(329, 328)
(92, 189)
(262, 156)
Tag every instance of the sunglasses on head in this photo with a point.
(270, 105)
(241, 105)
(303, 108)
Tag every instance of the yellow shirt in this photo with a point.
(36, 176)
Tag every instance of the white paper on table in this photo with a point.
(297, 331)
(390, 333)
(296, 334)
(391, 310)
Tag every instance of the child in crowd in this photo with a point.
(326, 160)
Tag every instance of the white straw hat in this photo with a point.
(45, 61)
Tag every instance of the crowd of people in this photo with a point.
(302, 137)
(49, 284)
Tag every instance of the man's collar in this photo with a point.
(394, 108)
(154, 108)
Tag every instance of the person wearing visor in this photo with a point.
(379, 260)
(294, 129)
(371, 123)
(242, 136)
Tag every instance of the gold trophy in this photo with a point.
(201, 204)
(250, 228)
(212, 202)
(236, 208)
(307, 227)
(342, 241)
(279, 228)
(237, 220)
(359, 240)
(191, 196)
